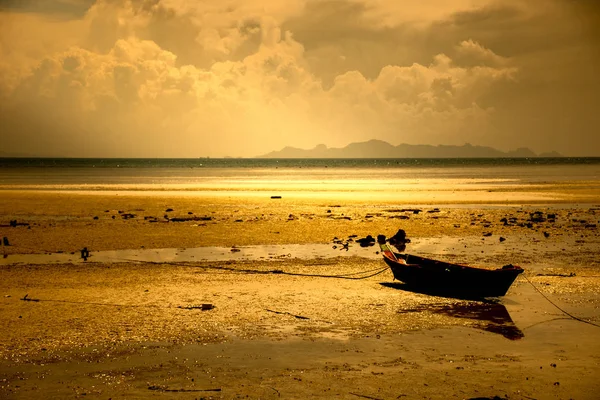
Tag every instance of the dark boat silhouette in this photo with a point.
(439, 277)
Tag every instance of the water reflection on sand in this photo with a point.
(488, 316)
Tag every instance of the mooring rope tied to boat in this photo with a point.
(342, 276)
(349, 275)
(563, 311)
(281, 272)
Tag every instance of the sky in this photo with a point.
(241, 78)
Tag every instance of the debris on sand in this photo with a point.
(13, 223)
(287, 313)
(166, 389)
(411, 210)
(399, 240)
(85, 253)
(187, 219)
(27, 298)
(366, 241)
(203, 307)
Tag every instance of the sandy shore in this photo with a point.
(131, 330)
(63, 222)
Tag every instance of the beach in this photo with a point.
(236, 328)
(339, 199)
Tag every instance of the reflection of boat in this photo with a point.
(490, 317)
(446, 278)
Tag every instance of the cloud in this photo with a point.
(471, 53)
(55, 8)
(137, 98)
(186, 79)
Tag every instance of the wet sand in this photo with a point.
(134, 329)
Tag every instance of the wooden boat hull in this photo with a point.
(440, 277)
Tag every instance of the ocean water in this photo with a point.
(253, 163)
(314, 177)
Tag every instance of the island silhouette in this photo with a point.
(381, 149)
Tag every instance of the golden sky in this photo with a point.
(192, 78)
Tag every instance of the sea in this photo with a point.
(491, 183)
(303, 177)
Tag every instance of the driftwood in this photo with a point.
(165, 389)
(186, 219)
(26, 298)
(365, 397)
(287, 313)
(203, 307)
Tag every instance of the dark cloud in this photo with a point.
(553, 44)
(339, 37)
(60, 8)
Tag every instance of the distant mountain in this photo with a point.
(380, 149)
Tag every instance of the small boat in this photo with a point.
(439, 277)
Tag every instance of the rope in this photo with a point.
(343, 276)
(349, 276)
(563, 311)
(544, 322)
(93, 303)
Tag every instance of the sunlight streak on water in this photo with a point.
(459, 184)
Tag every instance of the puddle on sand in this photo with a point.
(246, 253)
(490, 317)
(457, 249)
